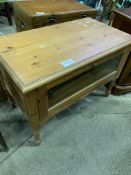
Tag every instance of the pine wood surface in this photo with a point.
(44, 49)
(56, 7)
(35, 14)
(30, 63)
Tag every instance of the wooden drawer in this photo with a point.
(35, 14)
(79, 82)
(55, 19)
(23, 24)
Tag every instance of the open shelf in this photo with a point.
(75, 84)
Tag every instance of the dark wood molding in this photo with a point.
(122, 20)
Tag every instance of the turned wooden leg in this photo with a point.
(109, 87)
(36, 134)
(31, 104)
(3, 143)
(36, 103)
(35, 125)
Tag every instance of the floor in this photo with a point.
(92, 137)
(4, 26)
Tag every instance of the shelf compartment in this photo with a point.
(75, 84)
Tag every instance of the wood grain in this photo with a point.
(41, 85)
(34, 14)
(43, 58)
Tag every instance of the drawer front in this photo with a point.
(56, 19)
(22, 23)
(60, 19)
(81, 81)
(25, 19)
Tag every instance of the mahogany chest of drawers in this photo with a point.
(122, 21)
(35, 14)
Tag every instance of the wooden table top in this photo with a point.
(36, 57)
(56, 7)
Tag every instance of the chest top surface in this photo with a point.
(43, 54)
(125, 12)
(56, 7)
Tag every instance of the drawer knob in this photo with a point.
(52, 20)
(84, 15)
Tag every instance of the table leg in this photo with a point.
(36, 134)
(109, 87)
(32, 110)
(35, 125)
